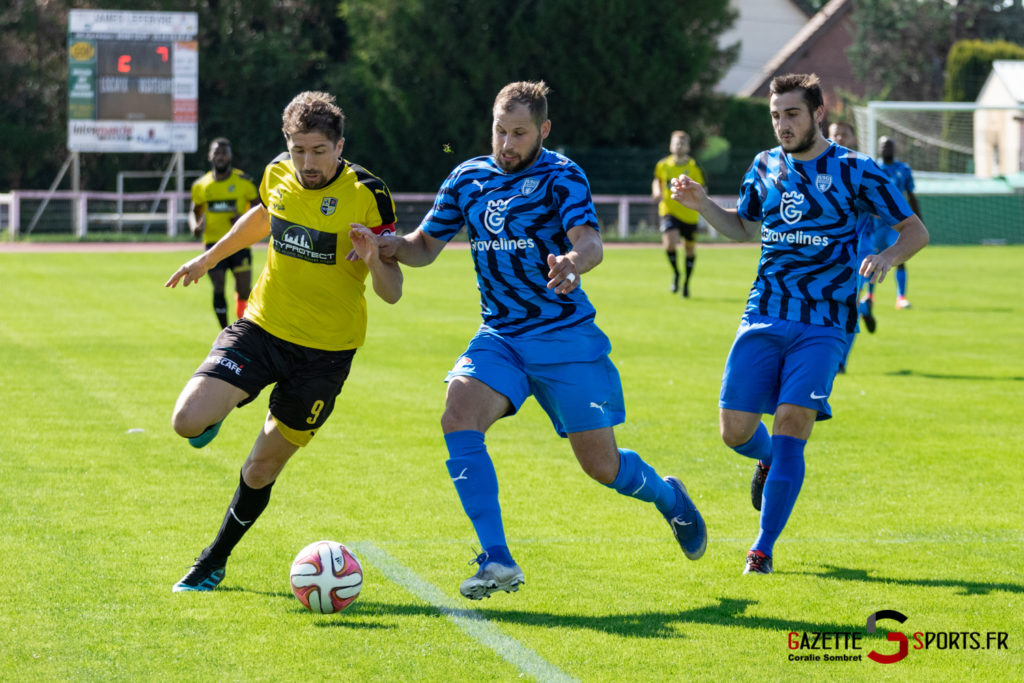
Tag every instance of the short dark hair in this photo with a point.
(532, 94)
(220, 141)
(313, 111)
(809, 83)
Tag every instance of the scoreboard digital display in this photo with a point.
(133, 81)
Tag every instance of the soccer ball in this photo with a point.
(326, 577)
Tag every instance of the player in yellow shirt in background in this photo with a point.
(219, 197)
(676, 219)
(306, 317)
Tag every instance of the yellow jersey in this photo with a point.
(308, 293)
(665, 170)
(223, 201)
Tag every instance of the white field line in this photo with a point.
(470, 621)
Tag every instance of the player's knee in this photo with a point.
(187, 422)
(734, 435)
(452, 421)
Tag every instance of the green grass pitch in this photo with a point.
(912, 500)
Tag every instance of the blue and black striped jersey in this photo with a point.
(514, 220)
(902, 178)
(809, 211)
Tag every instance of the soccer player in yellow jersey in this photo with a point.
(306, 316)
(676, 219)
(219, 197)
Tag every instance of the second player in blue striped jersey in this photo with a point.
(809, 212)
(805, 199)
(514, 221)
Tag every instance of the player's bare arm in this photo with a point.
(913, 238)
(692, 195)
(566, 269)
(415, 249)
(656, 190)
(247, 230)
(385, 275)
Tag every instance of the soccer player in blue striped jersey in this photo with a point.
(533, 233)
(903, 178)
(803, 199)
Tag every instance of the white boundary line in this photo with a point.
(475, 625)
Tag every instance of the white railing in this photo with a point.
(167, 209)
(79, 217)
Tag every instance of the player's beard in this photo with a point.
(802, 145)
(315, 184)
(221, 169)
(523, 162)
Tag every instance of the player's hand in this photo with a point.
(364, 244)
(389, 245)
(875, 267)
(189, 273)
(687, 191)
(562, 276)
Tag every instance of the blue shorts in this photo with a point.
(775, 361)
(577, 395)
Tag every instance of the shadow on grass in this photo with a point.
(935, 375)
(648, 624)
(968, 587)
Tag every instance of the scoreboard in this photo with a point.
(133, 81)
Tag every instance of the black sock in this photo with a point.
(671, 253)
(220, 307)
(689, 266)
(245, 507)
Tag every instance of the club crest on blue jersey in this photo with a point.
(328, 205)
(529, 185)
(790, 208)
(494, 218)
(823, 182)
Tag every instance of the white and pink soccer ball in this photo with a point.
(326, 577)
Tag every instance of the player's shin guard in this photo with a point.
(220, 308)
(780, 489)
(472, 472)
(759, 446)
(245, 508)
(637, 479)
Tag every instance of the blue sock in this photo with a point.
(638, 480)
(781, 489)
(472, 472)
(901, 281)
(759, 446)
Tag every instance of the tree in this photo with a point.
(900, 46)
(34, 76)
(423, 74)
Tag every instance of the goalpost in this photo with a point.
(967, 160)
